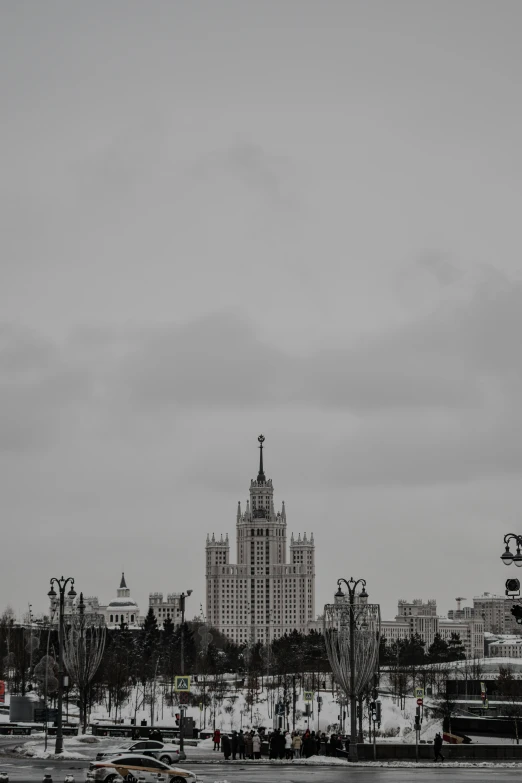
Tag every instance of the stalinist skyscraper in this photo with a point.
(263, 596)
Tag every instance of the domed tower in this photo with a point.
(122, 609)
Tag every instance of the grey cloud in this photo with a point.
(440, 267)
(38, 386)
(249, 162)
(434, 362)
(432, 400)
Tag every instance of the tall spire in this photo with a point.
(123, 586)
(261, 475)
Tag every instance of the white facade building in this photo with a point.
(122, 609)
(422, 619)
(261, 597)
(507, 647)
(163, 610)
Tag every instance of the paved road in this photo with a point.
(31, 771)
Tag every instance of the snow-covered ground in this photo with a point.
(233, 713)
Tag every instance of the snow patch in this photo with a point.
(35, 750)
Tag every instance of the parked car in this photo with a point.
(163, 751)
(131, 767)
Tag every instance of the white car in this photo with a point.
(132, 767)
(163, 751)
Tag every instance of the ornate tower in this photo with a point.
(262, 596)
(123, 590)
(261, 533)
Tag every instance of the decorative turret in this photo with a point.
(123, 591)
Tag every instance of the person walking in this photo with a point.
(234, 745)
(225, 746)
(241, 744)
(256, 745)
(217, 739)
(437, 747)
(249, 749)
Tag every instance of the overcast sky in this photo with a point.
(225, 218)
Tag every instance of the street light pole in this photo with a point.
(61, 584)
(182, 664)
(352, 586)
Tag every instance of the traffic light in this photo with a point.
(417, 719)
(177, 718)
(378, 711)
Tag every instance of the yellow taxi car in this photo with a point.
(133, 767)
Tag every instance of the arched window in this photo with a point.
(116, 618)
(112, 618)
(132, 618)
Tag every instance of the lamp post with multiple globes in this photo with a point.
(61, 585)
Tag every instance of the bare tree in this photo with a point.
(84, 643)
(510, 690)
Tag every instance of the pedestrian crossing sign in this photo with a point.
(182, 684)
(419, 693)
(308, 696)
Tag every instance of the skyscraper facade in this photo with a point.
(263, 596)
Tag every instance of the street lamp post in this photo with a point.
(363, 596)
(61, 584)
(352, 632)
(182, 598)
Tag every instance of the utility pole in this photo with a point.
(293, 702)
(182, 707)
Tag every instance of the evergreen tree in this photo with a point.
(412, 651)
(385, 652)
(438, 650)
(168, 629)
(456, 649)
(148, 648)
(169, 654)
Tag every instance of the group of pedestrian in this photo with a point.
(245, 745)
(281, 744)
(330, 745)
